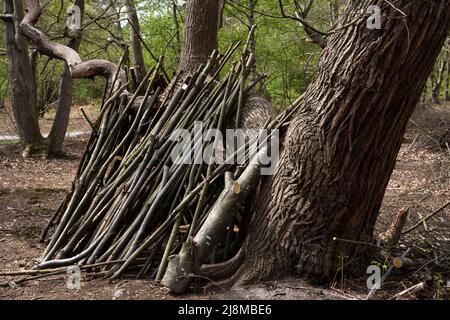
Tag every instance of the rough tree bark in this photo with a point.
(61, 122)
(341, 147)
(23, 88)
(200, 33)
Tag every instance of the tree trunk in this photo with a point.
(23, 88)
(200, 33)
(313, 35)
(447, 77)
(135, 30)
(254, 74)
(437, 83)
(61, 121)
(425, 92)
(341, 147)
(177, 26)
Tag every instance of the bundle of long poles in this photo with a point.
(130, 199)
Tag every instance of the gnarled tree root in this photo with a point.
(182, 267)
(223, 270)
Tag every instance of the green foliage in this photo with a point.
(283, 50)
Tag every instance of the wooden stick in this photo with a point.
(64, 269)
(372, 292)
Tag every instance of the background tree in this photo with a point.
(61, 121)
(200, 33)
(339, 146)
(43, 74)
(437, 78)
(20, 73)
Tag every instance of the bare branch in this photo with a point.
(300, 19)
(315, 37)
(283, 16)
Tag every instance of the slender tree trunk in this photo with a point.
(447, 77)
(200, 33)
(334, 12)
(23, 88)
(261, 88)
(341, 147)
(115, 19)
(61, 121)
(425, 92)
(438, 78)
(135, 30)
(177, 25)
(118, 35)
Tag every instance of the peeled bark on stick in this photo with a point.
(415, 288)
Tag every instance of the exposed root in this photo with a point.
(38, 149)
(223, 270)
(251, 270)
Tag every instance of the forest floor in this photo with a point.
(31, 189)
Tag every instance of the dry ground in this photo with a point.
(31, 189)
